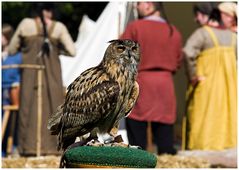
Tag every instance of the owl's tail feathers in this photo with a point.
(55, 120)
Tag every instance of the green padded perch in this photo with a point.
(108, 157)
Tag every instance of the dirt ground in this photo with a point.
(226, 158)
(164, 161)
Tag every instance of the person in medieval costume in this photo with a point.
(41, 40)
(160, 44)
(212, 101)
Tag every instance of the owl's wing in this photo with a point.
(82, 111)
(134, 94)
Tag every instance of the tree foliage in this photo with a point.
(70, 13)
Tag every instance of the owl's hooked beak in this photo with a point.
(129, 55)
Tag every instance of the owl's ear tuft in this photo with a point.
(121, 41)
(116, 40)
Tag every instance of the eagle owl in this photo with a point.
(99, 97)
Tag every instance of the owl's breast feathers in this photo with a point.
(129, 89)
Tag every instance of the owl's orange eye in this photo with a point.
(120, 48)
(134, 49)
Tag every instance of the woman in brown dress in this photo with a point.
(29, 39)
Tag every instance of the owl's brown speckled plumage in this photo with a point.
(100, 96)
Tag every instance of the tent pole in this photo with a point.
(119, 24)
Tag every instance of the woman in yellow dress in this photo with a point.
(212, 107)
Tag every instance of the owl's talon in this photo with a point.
(94, 142)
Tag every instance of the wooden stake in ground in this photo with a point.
(39, 110)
